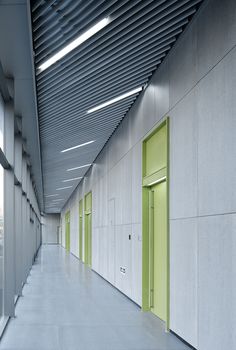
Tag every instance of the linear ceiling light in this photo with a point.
(79, 167)
(75, 43)
(63, 188)
(78, 146)
(58, 200)
(116, 99)
(75, 178)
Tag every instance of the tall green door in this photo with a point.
(155, 243)
(81, 229)
(158, 250)
(88, 229)
(67, 224)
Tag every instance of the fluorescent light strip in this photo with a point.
(51, 195)
(75, 43)
(79, 167)
(116, 99)
(57, 200)
(78, 146)
(75, 178)
(63, 188)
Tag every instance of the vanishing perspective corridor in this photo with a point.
(117, 174)
(67, 306)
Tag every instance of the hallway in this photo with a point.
(67, 306)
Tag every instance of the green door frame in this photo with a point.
(67, 231)
(88, 229)
(149, 179)
(81, 229)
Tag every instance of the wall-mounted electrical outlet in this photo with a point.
(122, 269)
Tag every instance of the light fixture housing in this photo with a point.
(75, 43)
(63, 188)
(79, 167)
(116, 99)
(73, 179)
(78, 146)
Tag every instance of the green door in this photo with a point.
(88, 229)
(67, 224)
(81, 229)
(155, 222)
(158, 249)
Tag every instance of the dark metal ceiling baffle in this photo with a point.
(120, 57)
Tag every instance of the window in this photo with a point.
(1, 123)
(1, 206)
(1, 238)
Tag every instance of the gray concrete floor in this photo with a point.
(66, 306)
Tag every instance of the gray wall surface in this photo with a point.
(195, 87)
(50, 228)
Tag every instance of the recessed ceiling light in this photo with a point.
(79, 167)
(63, 188)
(51, 195)
(116, 99)
(75, 178)
(78, 146)
(75, 43)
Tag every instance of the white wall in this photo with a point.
(195, 87)
(50, 228)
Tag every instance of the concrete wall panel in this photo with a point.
(182, 63)
(183, 279)
(50, 229)
(183, 158)
(216, 27)
(217, 283)
(216, 143)
(195, 87)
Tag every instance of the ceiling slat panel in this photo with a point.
(120, 57)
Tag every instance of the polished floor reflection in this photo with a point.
(66, 306)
